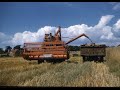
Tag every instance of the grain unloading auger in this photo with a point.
(78, 37)
(51, 49)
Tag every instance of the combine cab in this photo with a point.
(52, 49)
(93, 52)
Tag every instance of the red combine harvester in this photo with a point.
(52, 49)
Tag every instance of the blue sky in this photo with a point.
(17, 17)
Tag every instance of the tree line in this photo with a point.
(18, 47)
(74, 48)
(9, 48)
(9, 51)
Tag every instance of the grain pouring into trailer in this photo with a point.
(51, 49)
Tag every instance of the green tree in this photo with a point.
(7, 49)
(1, 50)
(17, 47)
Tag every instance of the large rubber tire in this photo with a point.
(40, 61)
(26, 57)
(59, 61)
(68, 54)
(84, 58)
(101, 59)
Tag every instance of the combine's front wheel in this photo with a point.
(26, 57)
(40, 61)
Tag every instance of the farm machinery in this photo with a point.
(51, 49)
(55, 50)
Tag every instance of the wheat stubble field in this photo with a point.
(75, 73)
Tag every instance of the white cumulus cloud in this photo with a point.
(104, 21)
(27, 36)
(116, 6)
(116, 29)
(101, 33)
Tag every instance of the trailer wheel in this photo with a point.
(101, 59)
(84, 58)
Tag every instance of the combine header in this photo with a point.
(52, 49)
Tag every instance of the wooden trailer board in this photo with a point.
(93, 52)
